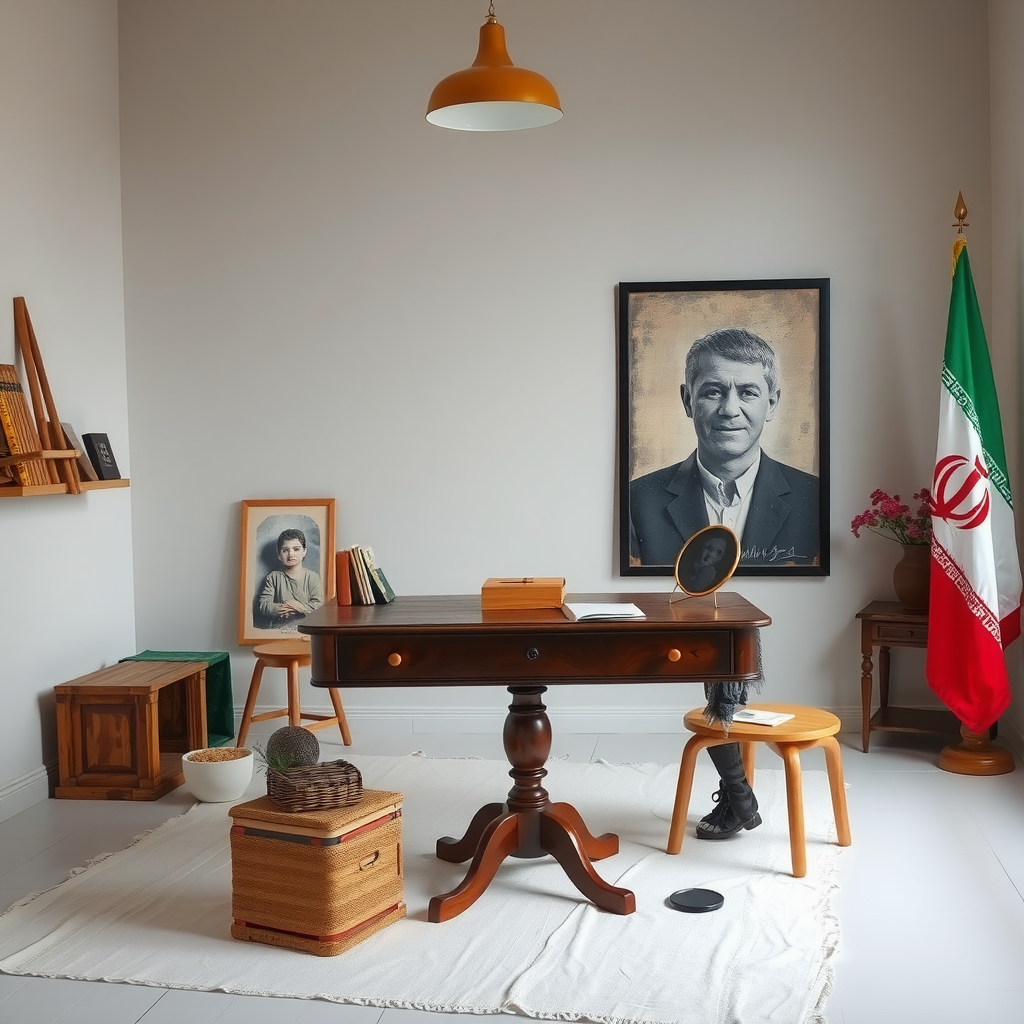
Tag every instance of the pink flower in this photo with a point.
(892, 518)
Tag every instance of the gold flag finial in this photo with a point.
(960, 212)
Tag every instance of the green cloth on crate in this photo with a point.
(220, 702)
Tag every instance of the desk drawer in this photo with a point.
(897, 633)
(515, 658)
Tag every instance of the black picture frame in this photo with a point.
(661, 500)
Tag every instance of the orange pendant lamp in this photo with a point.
(493, 95)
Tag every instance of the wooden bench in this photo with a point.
(121, 731)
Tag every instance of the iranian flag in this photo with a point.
(974, 608)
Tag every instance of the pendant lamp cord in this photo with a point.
(490, 9)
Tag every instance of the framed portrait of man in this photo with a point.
(723, 420)
(286, 569)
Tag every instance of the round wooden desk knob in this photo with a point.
(674, 654)
(394, 660)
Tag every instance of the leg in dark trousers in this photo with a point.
(737, 805)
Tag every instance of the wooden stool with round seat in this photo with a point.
(291, 655)
(808, 728)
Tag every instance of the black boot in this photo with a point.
(737, 805)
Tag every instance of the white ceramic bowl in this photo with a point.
(216, 782)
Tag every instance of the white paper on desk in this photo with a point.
(580, 611)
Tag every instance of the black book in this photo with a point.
(97, 447)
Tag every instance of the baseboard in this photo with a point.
(432, 719)
(667, 718)
(21, 793)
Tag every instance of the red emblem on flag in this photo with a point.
(960, 492)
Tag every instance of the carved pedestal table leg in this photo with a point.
(528, 825)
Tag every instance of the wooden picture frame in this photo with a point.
(766, 441)
(263, 564)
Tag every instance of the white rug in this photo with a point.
(159, 912)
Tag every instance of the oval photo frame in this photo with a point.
(707, 560)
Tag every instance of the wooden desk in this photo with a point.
(885, 624)
(449, 641)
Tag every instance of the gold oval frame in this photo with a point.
(699, 538)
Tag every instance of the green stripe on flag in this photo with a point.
(967, 372)
(997, 474)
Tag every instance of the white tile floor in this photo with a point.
(929, 900)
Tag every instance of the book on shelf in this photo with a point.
(588, 611)
(755, 716)
(97, 447)
(19, 429)
(85, 470)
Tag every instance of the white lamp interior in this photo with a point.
(494, 116)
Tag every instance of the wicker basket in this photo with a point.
(316, 787)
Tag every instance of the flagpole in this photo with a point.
(974, 754)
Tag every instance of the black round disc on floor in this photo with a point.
(696, 901)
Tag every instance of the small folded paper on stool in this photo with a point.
(505, 593)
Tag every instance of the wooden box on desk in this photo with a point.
(503, 594)
(318, 881)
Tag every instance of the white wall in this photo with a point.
(1006, 36)
(325, 295)
(66, 594)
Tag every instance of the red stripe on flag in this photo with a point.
(1009, 628)
(965, 665)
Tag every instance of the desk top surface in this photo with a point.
(456, 613)
(890, 611)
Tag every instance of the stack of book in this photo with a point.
(359, 580)
(18, 434)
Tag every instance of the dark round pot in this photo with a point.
(910, 578)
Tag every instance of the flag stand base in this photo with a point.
(975, 755)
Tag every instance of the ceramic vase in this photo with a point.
(910, 578)
(217, 781)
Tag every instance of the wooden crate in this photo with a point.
(121, 731)
(318, 881)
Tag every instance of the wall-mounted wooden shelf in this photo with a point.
(35, 440)
(16, 491)
(100, 485)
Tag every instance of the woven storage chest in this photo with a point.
(318, 881)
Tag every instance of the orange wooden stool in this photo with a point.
(291, 655)
(808, 728)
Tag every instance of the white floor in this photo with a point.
(929, 900)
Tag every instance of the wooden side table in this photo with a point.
(121, 731)
(885, 624)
